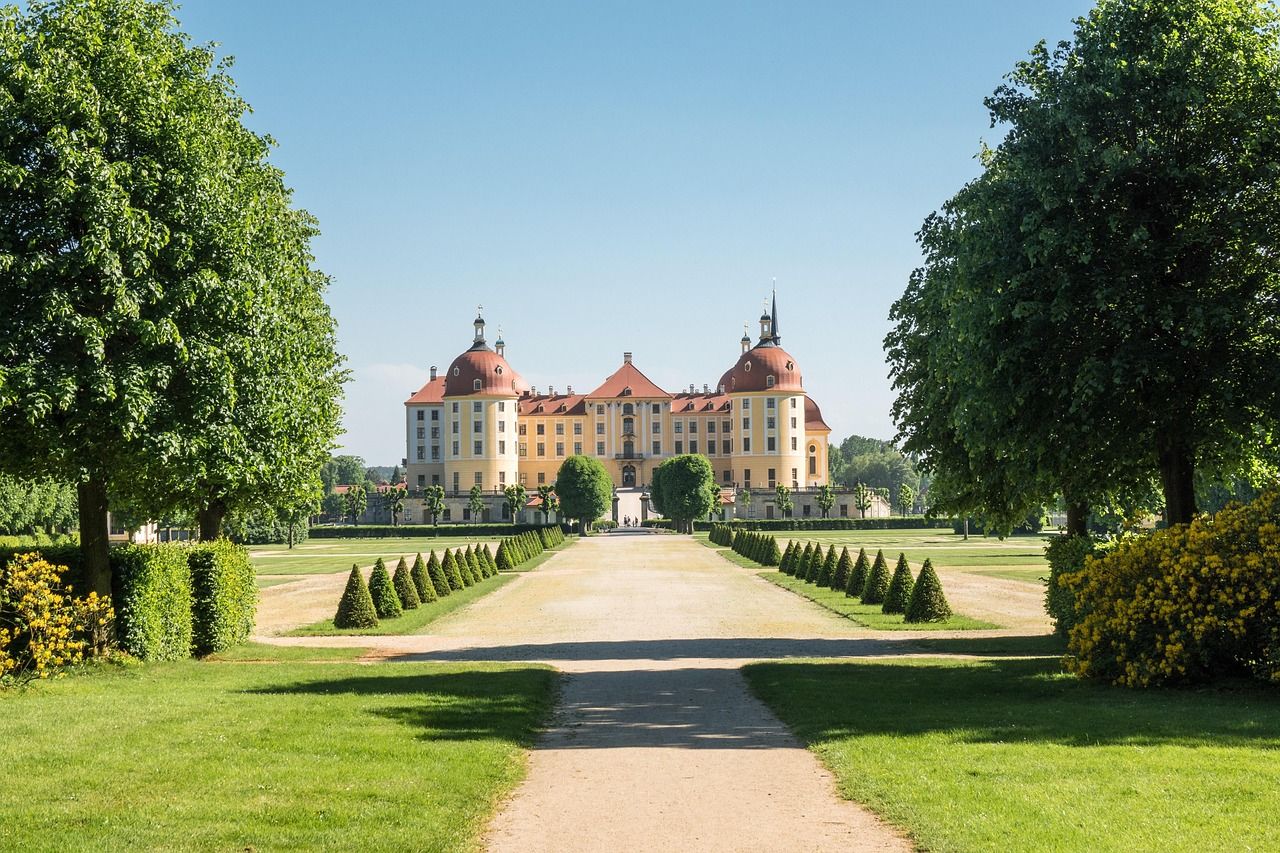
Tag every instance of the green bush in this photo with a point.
(1066, 554)
(503, 557)
(477, 568)
(355, 608)
(405, 589)
(828, 570)
(784, 565)
(151, 586)
(490, 563)
(898, 598)
(385, 599)
(439, 579)
(467, 565)
(858, 577)
(801, 567)
(877, 586)
(844, 566)
(224, 596)
(816, 559)
(928, 604)
(65, 554)
(422, 581)
(451, 571)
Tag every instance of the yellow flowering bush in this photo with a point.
(42, 628)
(1184, 604)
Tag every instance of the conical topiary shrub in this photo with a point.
(355, 608)
(439, 580)
(422, 581)
(774, 556)
(503, 557)
(385, 599)
(899, 594)
(877, 586)
(858, 577)
(816, 560)
(452, 572)
(463, 560)
(476, 569)
(405, 590)
(489, 561)
(843, 567)
(802, 561)
(828, 570)
(928, 604)
(788, 556)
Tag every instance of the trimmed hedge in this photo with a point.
(810, 524)
(388, 531)
(355, 608)
(151, 586)
(224, 596)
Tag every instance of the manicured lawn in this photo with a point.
(868, 615)
(318, 556)
(243, 756)
(1013, 755)
(413, 621)
(264, 582)
(1037, 576)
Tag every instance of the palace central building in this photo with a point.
(480, 424)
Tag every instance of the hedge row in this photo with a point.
(515, 550)
(918, 599)
(385, 531)
(811, 523)
(171, 600)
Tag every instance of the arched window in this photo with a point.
(476, 384)
(628, 409)
(628, 426)
(768, 381)
(456, 371)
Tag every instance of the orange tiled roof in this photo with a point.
(432, 392)
(628, 381)
(699, 403)
(552, 405)
(813, 416)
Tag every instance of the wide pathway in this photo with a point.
(657, 743)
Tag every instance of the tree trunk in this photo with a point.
(1177, 476)
(1077, 518)
(94, 542)
(210, 518)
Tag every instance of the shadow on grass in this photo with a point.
(507, 704)
(1007, 701)
(745, 648)
(1042, 645)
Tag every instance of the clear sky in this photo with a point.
(607, 177)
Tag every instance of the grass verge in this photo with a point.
(867, 615)
(413, 621)
(202, 756)
(271, 653)
(1013, 755)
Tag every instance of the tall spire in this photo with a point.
(773, 317)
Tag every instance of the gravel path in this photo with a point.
(657, 743)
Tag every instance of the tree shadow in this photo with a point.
(1006, 701)
(507, 704)
(1034, 645)
(733, 648)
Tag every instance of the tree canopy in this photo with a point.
(584, 488)
(684, 488)
(163, 337)
(1100, 306)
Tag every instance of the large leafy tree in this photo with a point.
(517, 496)
(684, 488)
(137, 227)
(584, 489)
(1101, 304)
(433, 502)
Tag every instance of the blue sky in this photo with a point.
(607, 177)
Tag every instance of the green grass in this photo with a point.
(268, 652)
(413, 621)
(867, 615)
(264, 582)
(1012, 755)
(320, 556)
(226, 756)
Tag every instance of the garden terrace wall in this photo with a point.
(813, 523)
(385, 531)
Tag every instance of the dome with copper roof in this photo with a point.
(766, 366)
(482, 371)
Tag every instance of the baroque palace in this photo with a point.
(480, 424)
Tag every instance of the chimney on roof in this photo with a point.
(626, 358)
(433, 372)
(721, 387)
(570, 391)
(693, 388)
(551, 389)
(706, 389)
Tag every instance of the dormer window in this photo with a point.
(791, 365)
(768, 381)
(498, 370)
(626, 392)
(747, 367)
(456, 371)
(476, 384)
